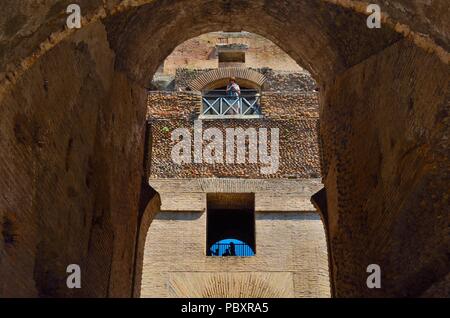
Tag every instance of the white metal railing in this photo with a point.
(218, 104)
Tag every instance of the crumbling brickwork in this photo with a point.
(291, 81)
(294, 114)
(288, 81)
(201, 53)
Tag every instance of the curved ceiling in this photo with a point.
(323, 38)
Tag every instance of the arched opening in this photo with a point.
(78, 141)
(245, 223)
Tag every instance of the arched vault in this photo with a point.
(73, 135)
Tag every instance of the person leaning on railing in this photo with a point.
(233, 88)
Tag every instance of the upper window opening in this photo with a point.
(230, 57)
(231, 54)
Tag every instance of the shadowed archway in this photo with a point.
(73, 136)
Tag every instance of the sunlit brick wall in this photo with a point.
(295, 115)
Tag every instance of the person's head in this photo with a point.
(233, 80)
(231, 244)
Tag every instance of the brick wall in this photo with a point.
(200, 52)
(299, 81)
(294, 114)
(184, 76)
(290, 261)
(288, 81)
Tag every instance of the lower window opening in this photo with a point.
(230, 224)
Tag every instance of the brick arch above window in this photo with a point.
(219, 77)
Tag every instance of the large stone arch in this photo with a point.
(73, 127)
(428, 30)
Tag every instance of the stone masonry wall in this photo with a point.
(275, 80)
(200, 52)
(288, 81)
(183, 77)
(290, 261)
(72, 152)
(294, 114)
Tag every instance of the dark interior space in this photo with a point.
(232, 57)
(230, 216)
